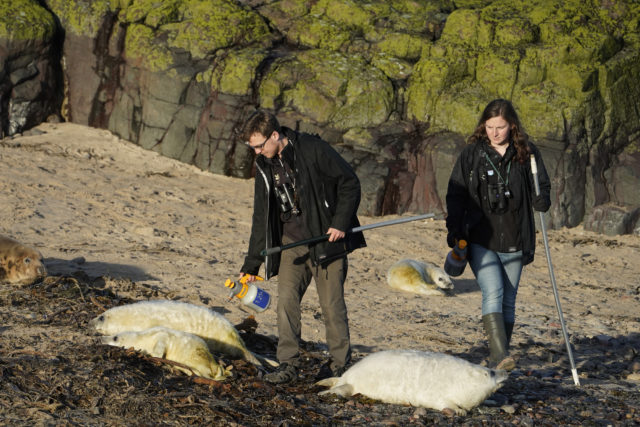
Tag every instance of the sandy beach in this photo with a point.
(101, 207)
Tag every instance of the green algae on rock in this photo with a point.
(22, 20)
(330, 88)
(81, 17)
(237, 74)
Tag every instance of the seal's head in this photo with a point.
(20, 264)
(439, 277)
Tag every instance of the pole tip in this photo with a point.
(576, 379)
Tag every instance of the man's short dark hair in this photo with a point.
(261, 122)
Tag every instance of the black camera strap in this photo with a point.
(285, 188)
(287, 172)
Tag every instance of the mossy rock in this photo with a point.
(143, 48)
(351, 15)
(402, 45)
(360, 138)
(282, 12)
(516, 32)
(399, 28)
(546, 63)
(22, 20)
(531, 68)
(544, 56)
(151, 12)
(81, 17)
(581, 46)
(318, 33)
(330, 88)
(429, 79)
(458, 108)
(311, 101)
(209, 25)
(618, 85)
(280, 78)
(368, 101)
(497, 70)
(237, 71)
(416, 16)
(576, 78)
(393, 67)
(472, 4)
(544, 108)
(462, 27)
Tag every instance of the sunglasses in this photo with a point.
(257, 147)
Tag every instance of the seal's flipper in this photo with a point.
(160, 349)
(344, 390)
(266, 361)
(328, 382)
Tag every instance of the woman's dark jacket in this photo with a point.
(329, 193)
(467, 194)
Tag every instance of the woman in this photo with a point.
(490, 198)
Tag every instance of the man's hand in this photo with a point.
(335, 234)
(250, 277)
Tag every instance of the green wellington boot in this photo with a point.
(498, 346)
(508, 329)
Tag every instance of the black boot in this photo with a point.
(508, 329)
(498, 348)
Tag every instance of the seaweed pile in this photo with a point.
(53, 371)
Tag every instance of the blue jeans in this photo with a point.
(498, 275)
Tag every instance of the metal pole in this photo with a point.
(574, 371)
(276, 249)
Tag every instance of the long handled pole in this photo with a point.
(317, 239)
(574, 371)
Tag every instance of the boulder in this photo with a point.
(612, 220)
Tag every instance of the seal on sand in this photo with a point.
(19, 264)
(177, 346)
(212, 327)
(423, 278)
(431, 380)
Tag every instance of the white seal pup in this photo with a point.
(431, 380)
(423, 278)
(219, 334)
(177, 346)
(20, 264)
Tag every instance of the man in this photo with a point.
(303, 188)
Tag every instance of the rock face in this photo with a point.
(395, 86)
(30, 88)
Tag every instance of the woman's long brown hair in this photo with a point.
(503, 108)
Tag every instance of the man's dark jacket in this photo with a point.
(467, 194)
(329, 193)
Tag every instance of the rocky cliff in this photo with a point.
(395, 85)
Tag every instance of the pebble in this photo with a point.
(419, 412)
(634, 377)
(448, 412)
(509, 409)
(526, 421)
